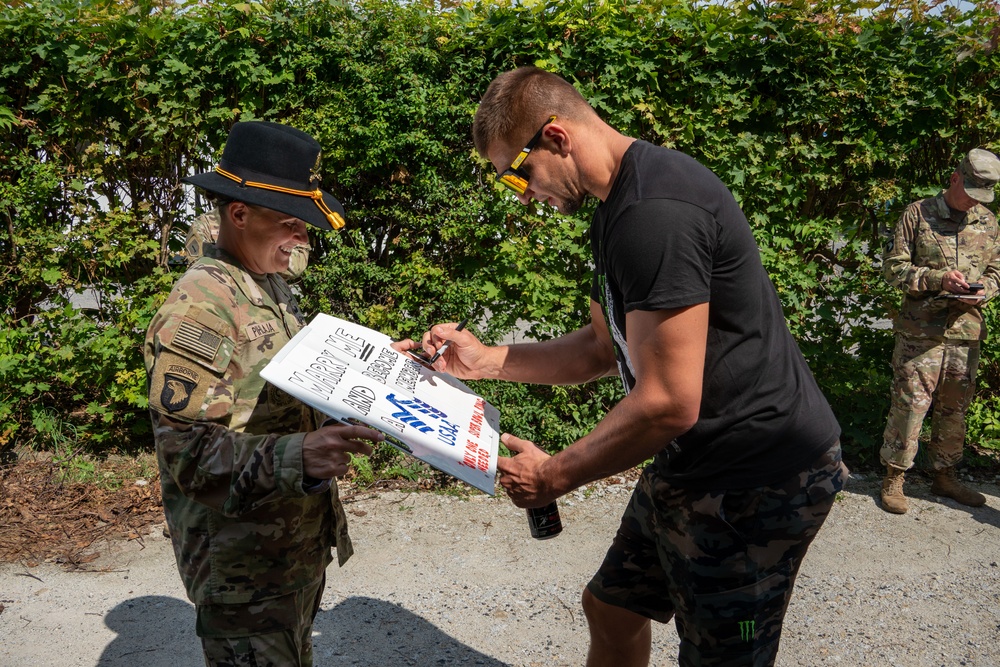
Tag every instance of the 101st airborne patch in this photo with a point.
(179, 383)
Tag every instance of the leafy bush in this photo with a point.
(826, 118)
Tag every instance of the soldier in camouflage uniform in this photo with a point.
(204, 232)
(945, 256)
(247, 472)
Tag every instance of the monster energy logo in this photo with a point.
(746, 630)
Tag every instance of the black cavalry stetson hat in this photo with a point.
(274, 166)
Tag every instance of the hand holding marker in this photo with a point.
(544, 522)
(437, 355)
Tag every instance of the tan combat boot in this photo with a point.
(946, 484)
(893, 499)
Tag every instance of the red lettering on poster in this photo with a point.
(471, 455)
(476, 424)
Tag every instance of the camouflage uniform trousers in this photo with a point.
(721, 563)
(271, 633)
(929, 371)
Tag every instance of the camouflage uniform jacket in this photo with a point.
(927, 244)
(246, 524)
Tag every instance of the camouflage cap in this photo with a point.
(980, 171)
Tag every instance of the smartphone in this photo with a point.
(419, 355)
(975, 287)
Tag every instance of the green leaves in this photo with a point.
(825, 118)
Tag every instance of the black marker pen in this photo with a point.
(461, 325)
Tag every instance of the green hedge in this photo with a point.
(825, 118)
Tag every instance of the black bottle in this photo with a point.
(544, 521)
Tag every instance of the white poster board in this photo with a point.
(349, 372)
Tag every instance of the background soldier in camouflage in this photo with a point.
(945, 255)
(204, 231)
(247, 471)
(746, 456)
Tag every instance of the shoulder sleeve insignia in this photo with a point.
(177, 387)
(193, 248)
(200, 336)
(197, 340)
(176, 392)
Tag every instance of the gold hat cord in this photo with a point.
(334, 218)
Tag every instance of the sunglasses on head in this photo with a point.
(513, 177)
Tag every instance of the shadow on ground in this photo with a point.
(917, 486)
(367, 632)
(158, 631)
(152, 630)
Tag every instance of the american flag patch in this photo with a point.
(197, 340)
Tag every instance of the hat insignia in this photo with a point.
(314, 172)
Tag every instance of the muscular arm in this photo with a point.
(577, 357)
(668, 352)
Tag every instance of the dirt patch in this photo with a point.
(46, 518)
(442, 579)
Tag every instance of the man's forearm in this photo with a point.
(634, 431)
(574, 358)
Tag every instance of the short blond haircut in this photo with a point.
(517, 102)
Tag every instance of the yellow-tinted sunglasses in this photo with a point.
(512, 176)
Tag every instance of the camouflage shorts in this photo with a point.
(272, 633)
(722, 564)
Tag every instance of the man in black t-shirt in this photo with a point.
(746, 458)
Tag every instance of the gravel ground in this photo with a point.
(438, 580)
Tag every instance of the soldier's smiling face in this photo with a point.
(270, 237)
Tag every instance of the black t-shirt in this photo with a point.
(671, 235)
